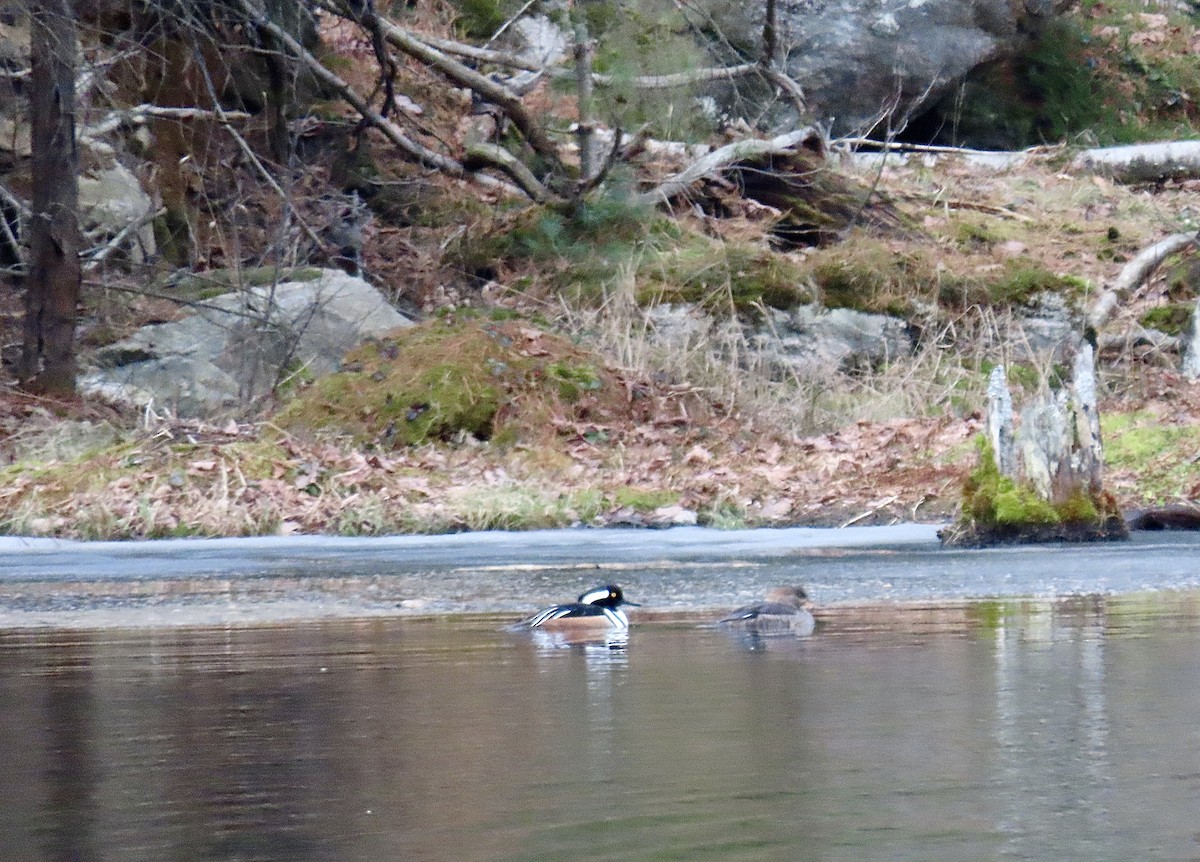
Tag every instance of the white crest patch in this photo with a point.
(593, 596)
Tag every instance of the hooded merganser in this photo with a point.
(599, 608)
(787, 610)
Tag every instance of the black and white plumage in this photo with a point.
(599, 607)
(787, 610)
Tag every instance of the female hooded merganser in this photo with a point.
(786, 611)
(598, 608)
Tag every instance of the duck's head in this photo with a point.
(607, 596)
(794, 596)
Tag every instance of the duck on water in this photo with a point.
(599, 609)
(786, 611)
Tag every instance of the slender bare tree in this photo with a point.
(52, 284)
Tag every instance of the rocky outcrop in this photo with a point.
(811, 340)
(112, 204)
(806, 341)
(858, 61)
(236, 348)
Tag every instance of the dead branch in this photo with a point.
(11, 242)
(1134, 273)
(482, 55)
(1119, 343)
(901, 146)
(723, 157)
(675, 79)
(6, 232)
(15, 202)
(365, 16)
(599, 79)
(390, 130)
(139, 114)
(479, 155)
(464, 76)
(137, 224)
(936, 200)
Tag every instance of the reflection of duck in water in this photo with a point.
(786, 611)
(598, 610)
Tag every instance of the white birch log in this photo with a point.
(1142, 162)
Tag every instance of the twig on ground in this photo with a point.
(883, 504)
(137, 224)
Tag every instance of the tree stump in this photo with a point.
(1041, 481)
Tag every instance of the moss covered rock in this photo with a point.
(498, 380)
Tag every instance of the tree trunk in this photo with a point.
(53, 281)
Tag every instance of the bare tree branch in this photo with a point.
(500, 30)
(137, 224)
(721, 158)
(464, 76)
(390, 130)
(641, 82)
(1134, 273)
(13, 201)
(677, 79)
(138, 115)
(480, 154)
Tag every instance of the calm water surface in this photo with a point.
(1051, 730)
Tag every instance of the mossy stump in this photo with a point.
(1041, 483)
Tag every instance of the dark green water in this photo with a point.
(1049, 731)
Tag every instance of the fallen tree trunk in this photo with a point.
(1133, 163)
(1142, 163)
(723, 157)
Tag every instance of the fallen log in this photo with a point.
(1142, 163)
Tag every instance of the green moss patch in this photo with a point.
(504, 380)
(1161, 456)
(723, 277)
(1173, 319)
(997, 509)
(869, 275)
(1023, 279)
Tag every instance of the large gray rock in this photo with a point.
(858, 59)
(110, 200)
(810, 340)
(234, 350)
(1047, 325)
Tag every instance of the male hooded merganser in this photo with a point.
(598, 608)
(786, 611)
